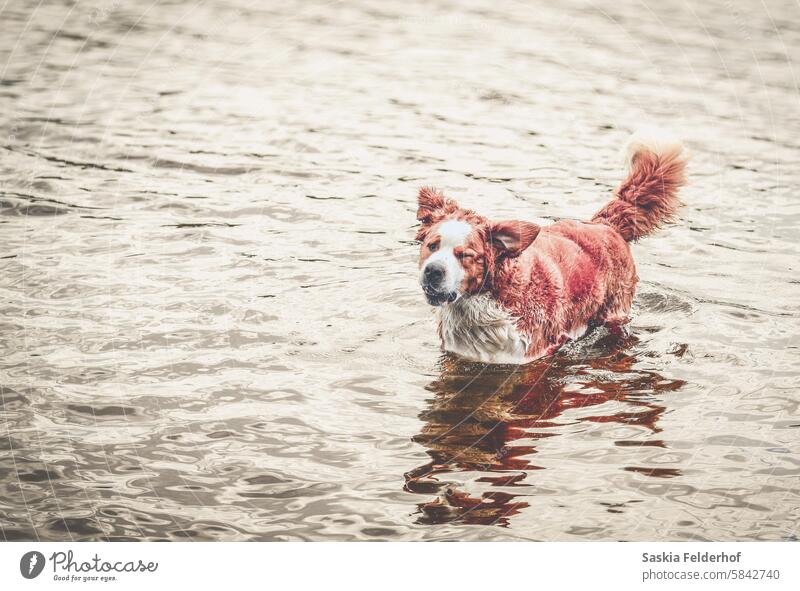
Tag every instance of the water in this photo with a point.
(211, 327)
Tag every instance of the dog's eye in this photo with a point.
(433, 246)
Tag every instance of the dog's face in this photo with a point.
(452, 261)
(460, 248)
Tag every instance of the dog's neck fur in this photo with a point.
(476, 327)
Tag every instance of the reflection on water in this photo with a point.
(486, 423)
(210, 323)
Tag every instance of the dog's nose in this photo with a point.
(433, 274)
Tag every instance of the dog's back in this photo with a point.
(573, 276)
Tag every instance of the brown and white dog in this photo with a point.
(512, 291)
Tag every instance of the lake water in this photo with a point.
(211, 323)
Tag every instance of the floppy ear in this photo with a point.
(430, 200)
(511, 237)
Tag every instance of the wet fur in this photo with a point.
(479, 328)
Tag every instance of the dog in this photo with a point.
(512, 291)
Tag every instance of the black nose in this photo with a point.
(433, 274)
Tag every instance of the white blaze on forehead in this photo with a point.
(452, 234)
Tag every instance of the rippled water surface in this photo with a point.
(211, 326)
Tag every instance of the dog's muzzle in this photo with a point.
(433, 277)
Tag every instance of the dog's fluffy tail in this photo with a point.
(648, 197)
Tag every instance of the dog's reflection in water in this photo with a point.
(485, 418)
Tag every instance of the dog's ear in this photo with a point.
(430, 201)
(511, 237)
(433, 205)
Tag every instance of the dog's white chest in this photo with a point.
(477, 328)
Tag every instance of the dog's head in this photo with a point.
(460, 249)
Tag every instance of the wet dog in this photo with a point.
(512, 291)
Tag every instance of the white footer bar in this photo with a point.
(527, 566)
